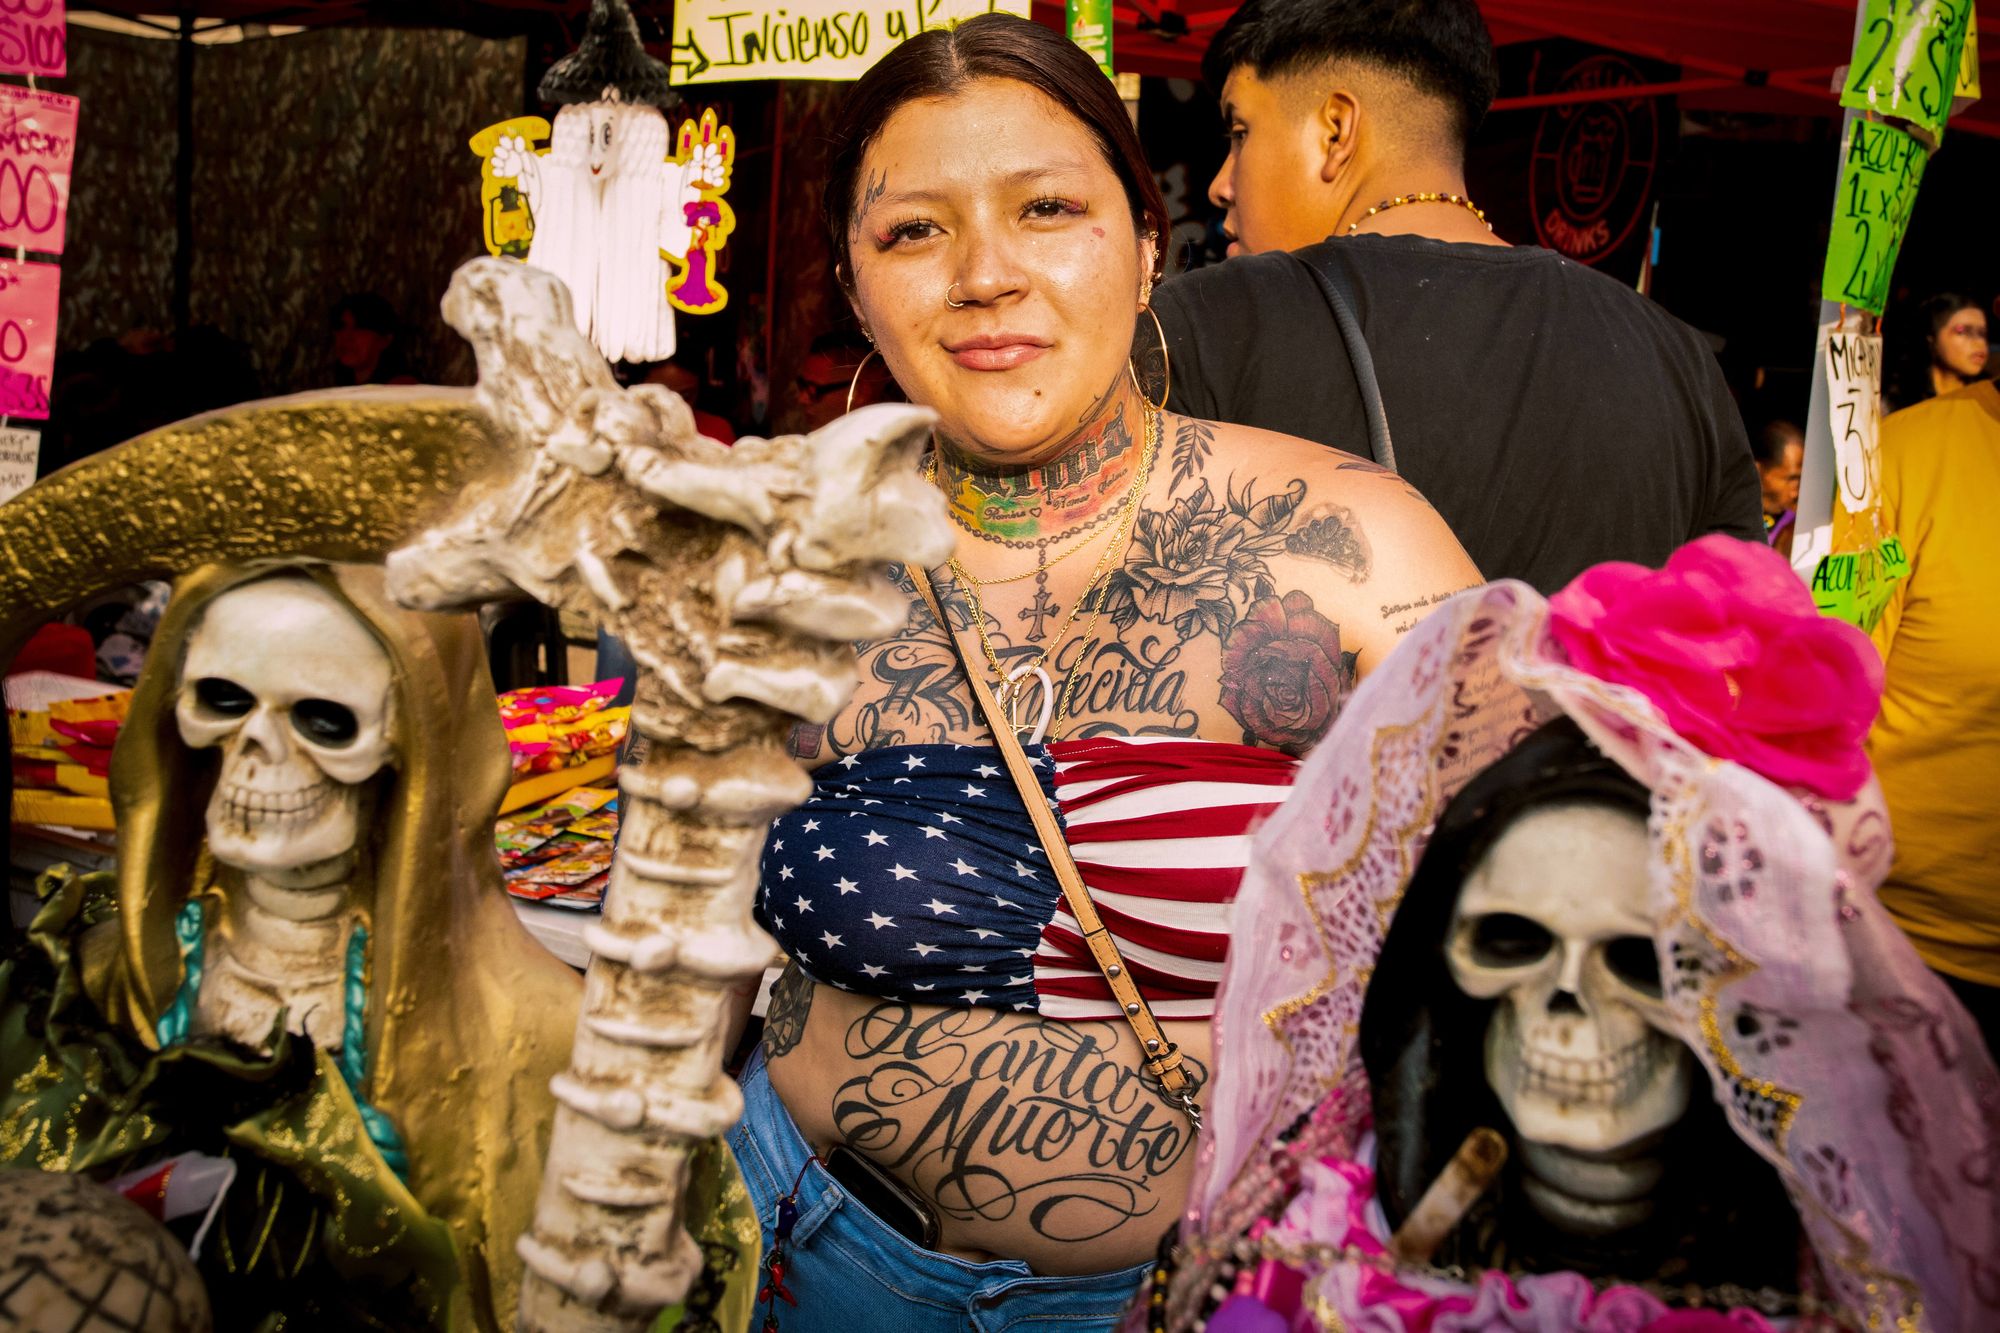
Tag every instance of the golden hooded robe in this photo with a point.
(467, 1017)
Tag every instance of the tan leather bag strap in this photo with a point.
(1162, 1057)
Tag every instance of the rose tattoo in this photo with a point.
(1284, 676)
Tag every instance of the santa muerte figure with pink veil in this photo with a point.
(1569, 1003)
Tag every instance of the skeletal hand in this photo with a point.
(514, 160)
(707, 166)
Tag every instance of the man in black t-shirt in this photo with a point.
(1553, 416)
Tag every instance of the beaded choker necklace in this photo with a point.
(1424, 197)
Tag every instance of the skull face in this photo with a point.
(296, 691)
(1552, 923)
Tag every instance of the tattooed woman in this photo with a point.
(1182, 606)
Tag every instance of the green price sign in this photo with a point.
(1856, 586)
(1907, 60)
(1878, 187)
(1088, 23)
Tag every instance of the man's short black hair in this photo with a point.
(1440, 46)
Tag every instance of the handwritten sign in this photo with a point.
(1854, 397)
(1856, 586)
(29, 294)
(1907, 58)
(720, 41)
(37, 146)
(1878, 187)
(34, 38)
(20, 455)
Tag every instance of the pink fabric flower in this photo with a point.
(1727, 644)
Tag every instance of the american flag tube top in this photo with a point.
(913, 872)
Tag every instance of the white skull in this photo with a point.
(296, 691)
(1553, 923)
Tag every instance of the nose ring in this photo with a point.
(955, 305)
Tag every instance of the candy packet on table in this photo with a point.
(563, 844)
(587, 897)
(603, 824)
(579, 864)
(555, 703)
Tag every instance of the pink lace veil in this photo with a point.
(1880, 1108)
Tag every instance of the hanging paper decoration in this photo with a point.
(37, 146)
(29, 296)
(604, 201)
(34, 38)
(707, 152)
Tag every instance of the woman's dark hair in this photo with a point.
(1936, 312)
(1910, 366)
(941, 62)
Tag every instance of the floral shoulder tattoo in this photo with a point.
(1201, 566)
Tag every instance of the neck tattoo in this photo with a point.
(1055, 509)
(1040, 506)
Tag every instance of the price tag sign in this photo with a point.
(20, 453)
(1854, 396)
(1879, 175)
(37, 147)
(1856, 586)
(29, 295)
(1907, 59)
(34, 38)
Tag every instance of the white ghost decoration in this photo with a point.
(607, 202)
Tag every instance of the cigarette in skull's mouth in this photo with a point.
(1471, 1169)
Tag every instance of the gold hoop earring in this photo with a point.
(1166, 367)
(855, 383)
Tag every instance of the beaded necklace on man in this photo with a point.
(1011, 688)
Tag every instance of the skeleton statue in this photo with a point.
(1552, 924)
(305, 790)
(1519, 989)
(296, 692)
(739, 578)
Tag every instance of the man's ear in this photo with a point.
(1338, 124)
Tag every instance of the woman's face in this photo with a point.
(1960, 346)
(999, 198)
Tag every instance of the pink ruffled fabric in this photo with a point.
(1332, 1205)
(1727, 644)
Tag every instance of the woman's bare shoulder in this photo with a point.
(1219, 449)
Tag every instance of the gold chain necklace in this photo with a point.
(1425, 197)
(1013, 685)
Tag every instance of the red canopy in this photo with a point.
(1739, 55)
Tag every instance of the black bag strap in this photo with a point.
(1333, 283)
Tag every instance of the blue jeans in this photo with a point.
(853, 1274)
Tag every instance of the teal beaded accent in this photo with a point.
(178, 1021)
(354, 1055)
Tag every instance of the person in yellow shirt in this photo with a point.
(1936, 745)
